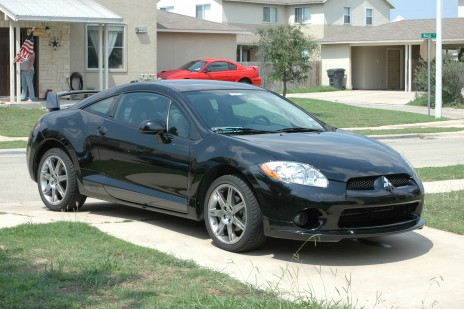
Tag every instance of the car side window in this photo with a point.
(232, 67)
(136, 107)
(218, 66)
(178, 123)
(101, 108)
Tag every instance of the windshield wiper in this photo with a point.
(298, 130)
(239, 130)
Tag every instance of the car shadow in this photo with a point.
(349, 252)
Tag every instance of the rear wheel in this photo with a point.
(57, 182)
(232, 215)
(245, 81)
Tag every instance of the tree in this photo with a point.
(287, 51)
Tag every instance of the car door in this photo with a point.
(148, 169)
(219, 70)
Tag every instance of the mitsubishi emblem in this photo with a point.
(382, 183)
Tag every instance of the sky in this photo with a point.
(420, 9)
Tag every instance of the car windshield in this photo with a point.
(250, 112)
(193, 66)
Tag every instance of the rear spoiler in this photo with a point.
(53, 98)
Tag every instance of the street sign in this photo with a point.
(424, 50)
(429, 35)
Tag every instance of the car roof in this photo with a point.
(183, 85)
(170, 86)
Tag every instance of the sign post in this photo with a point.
(428, 37)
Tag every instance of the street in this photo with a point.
(401, 271)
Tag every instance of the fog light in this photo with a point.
(309, 219)
(301, 219)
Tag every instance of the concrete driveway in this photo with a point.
(421, 269)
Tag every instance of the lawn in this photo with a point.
(347, 116)
(74, 265)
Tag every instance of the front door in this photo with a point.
(5, 61)
(394, 69)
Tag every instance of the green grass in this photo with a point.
(444, 211)
(422, 100)
(347, 116)
(74, 265)
(441, 173)
(409, 131)
(16, 122)
(312, 89)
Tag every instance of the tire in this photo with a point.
(232, 215)
(245, 81)
(57, 182)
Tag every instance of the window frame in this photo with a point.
(371, 17)
(124, 48)
(303, 20)
(167, 8)
(270, 9)
(203, 10)
(347, 15)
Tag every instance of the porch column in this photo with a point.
(100, 57)
(105, 56)
(407, 72)
(410, 67)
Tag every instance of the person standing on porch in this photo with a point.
(27, 76)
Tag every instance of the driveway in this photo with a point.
(413, 270)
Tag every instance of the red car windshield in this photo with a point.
(193, 66)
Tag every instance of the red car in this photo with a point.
(217, 69)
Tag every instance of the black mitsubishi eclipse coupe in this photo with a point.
(247, 161)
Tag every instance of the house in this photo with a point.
(385, 57)
(182, 38)
(315, 15)
(77, 36)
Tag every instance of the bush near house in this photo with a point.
(452, 77)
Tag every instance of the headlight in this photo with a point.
(294, 172)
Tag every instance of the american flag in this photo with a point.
(26, 50)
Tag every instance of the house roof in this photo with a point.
(400, 32)
(73, 11)
(293, 2)
(172, 22)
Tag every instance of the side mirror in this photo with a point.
(152, 127)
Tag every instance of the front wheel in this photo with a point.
(57, 182)
(232, 215)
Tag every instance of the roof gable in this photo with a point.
(172, 22)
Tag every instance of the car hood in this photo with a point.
(171, 73)
(339, 155)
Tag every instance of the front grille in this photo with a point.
(367, 183)
(377, 216)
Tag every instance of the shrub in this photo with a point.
(452, 80)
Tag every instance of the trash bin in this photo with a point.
(337, 78)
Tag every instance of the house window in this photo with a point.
(269, 14)
(302, 15)
(167, 8)
(116, 48)
(369, 16)
(347, 15)
(202, 10)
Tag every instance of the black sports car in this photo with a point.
(247, 161)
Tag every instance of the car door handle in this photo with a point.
(102, 130)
